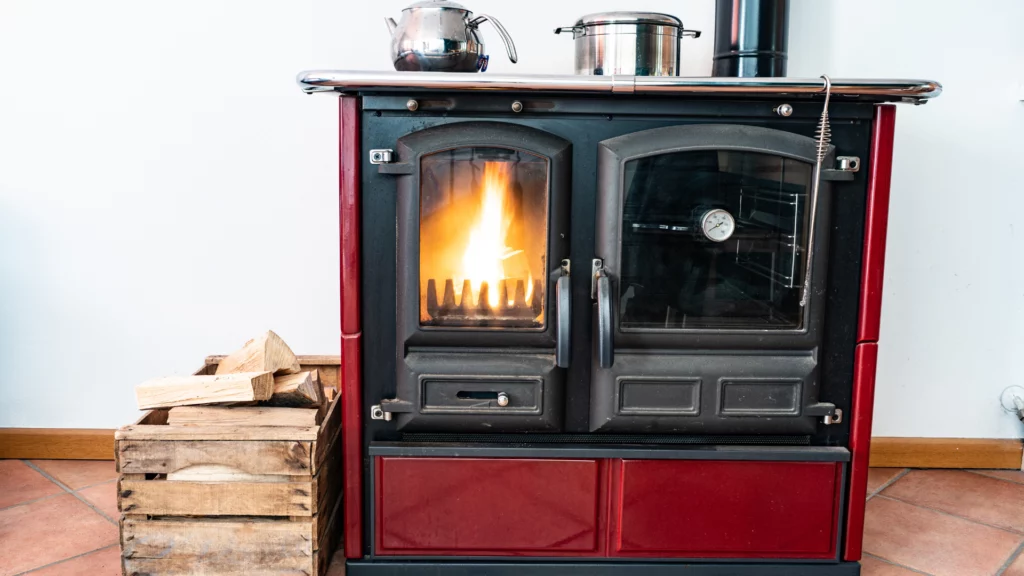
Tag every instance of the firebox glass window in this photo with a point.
(714, 240)
(483, 238)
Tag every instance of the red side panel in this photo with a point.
(725, 509)
(489, 507)
(351, 338)
(350, 230)
(864, 362)
(876, 219)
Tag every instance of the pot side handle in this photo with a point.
(576, 30)
(510, 46)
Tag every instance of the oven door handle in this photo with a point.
(605, 354)
(563, 325)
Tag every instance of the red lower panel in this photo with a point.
(352, 443)
(499, 506)
(725, 509)
(865, 359)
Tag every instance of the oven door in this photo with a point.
(483, 293)
(702, 323)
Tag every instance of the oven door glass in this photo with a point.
(483, 238)
(713, 240)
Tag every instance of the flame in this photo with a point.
(480, 237)
(487, 256)
(483, 260)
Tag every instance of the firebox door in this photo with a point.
(701, 322)
(483, 287)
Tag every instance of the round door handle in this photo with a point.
(502, 399)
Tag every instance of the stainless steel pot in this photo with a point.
(442, 36)
(629, 43)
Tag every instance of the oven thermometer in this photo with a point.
(717, 225)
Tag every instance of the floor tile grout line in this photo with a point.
(73, 493)
(111, 481)
(890, 482)
(1013, 556)
(982, 473)
(37, 568)
(61, 484)
(33, 501)
(48, 476)
(951, 515)
(897, 564)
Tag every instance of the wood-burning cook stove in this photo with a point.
(577, 331)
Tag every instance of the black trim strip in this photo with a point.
(646, 439)
(525, 450)
(594, 569)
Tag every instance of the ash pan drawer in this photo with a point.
(480, 392)
(481, 395)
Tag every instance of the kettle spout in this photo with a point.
(391, 25)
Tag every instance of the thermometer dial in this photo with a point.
(717, 225)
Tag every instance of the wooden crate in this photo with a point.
(281, 523)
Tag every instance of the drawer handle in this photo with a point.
(500, 398)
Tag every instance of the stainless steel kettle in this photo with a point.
(442, 36)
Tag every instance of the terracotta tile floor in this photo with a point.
(57, 518)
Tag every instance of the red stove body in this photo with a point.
(590, 333)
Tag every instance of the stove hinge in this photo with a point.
(846, 167)
(828, 412)
(387, 407)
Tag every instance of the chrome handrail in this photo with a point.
(916, 91)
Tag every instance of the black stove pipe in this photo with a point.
(751, 38)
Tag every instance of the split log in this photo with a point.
(302, 389)
(198, 390)
(221, 473)
(243, 416)
(266, 353)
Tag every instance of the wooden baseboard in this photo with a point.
(57, 443)
(991, 453)
(91, 444)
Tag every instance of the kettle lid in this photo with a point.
(655, 18)
(436, 4)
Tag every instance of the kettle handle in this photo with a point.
(509, 45)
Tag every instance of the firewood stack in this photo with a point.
(235, 470)
(261, 384)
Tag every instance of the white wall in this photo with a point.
(166, 191)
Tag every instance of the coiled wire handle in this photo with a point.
(824, 136)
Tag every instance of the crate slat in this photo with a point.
(253, 457)
(161, 497)
(329, 429)
(170, 547)
(164, 432)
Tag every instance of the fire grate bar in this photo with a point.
(603, 439)
(469, 309)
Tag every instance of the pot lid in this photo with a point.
(437, 4)
(656, 18)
